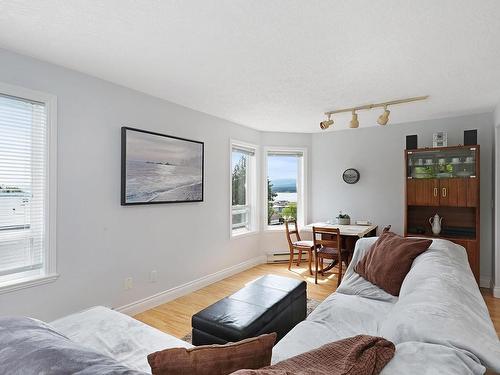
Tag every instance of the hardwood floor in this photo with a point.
(174, 317)
(493, 307)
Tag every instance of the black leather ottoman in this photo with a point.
(269, 304)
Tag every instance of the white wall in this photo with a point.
(377, 152)
(99, 242)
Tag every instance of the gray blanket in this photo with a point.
(29, 346)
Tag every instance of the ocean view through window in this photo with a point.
(284, 186)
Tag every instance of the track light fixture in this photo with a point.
(354, 121)
(327, 123)
(383, 118)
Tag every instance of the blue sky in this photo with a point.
(282, 167)
(235, 158)
(279, 167)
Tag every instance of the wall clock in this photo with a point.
(351, 176)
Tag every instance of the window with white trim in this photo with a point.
(243, 188)
(25, 228)
(284, 186)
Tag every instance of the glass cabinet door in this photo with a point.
(459, 162)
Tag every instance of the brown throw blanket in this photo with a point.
(358, 355)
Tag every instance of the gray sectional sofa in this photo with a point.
(439, 324)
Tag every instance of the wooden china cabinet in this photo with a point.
(445, 180)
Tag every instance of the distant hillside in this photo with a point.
(285, 185)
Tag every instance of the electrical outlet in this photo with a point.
(128, 283)
(153, 276)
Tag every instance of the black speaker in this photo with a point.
(411, 142)
(470, 137)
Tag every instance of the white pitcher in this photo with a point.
(436, 224)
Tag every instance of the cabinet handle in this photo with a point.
(435, 191)
(444, 192)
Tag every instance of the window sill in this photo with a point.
(274, 228)
(241, 234)
(280, 228)
(12, 286)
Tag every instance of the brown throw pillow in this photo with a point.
(389, 259)
(250, 353)
(358, 355)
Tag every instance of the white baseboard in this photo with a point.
(496, 291)
(147, 303)
(485, 282)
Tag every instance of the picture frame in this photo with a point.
(440, 139)
(159, 168)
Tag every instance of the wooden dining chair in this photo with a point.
(327, 244)
(297, 245)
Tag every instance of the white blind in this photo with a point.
(298, 154)
(243, 150)
(23, 138)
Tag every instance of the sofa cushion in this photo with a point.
(250, 353)
(353, 284)
(336, 318)
(116, 335)
(29, 346)
(389, 260)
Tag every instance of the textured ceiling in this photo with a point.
(275, 65)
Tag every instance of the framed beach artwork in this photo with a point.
(159, 168)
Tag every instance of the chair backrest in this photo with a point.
(328, 237)
(290, 231)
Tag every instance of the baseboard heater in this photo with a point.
(280, 257)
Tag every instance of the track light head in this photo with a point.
(354, 122)
(326, 124)
(383, 119)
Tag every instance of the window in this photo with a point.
(243, 189)
(285, 186)
(26, 216)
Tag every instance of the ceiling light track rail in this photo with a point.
(377, 105)
(382, 120)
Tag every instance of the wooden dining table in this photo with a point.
(349, 235)
(348, 231)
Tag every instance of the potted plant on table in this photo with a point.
(343, 219)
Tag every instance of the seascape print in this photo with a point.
(162, 169)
